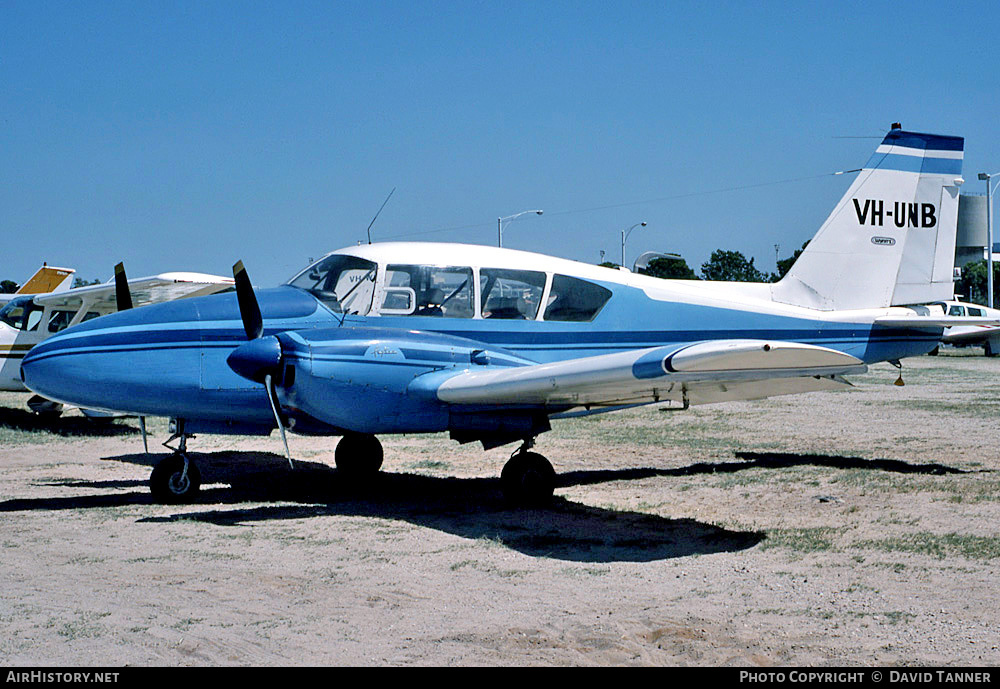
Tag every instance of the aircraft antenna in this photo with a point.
(369, 231)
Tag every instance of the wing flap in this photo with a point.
(702, 372)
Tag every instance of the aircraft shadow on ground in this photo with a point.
(764, 460)
(69, 426)
(468, 507)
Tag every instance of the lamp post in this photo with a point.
(501, 221)
(625, 234)
(989, 234)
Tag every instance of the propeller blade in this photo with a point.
(253, 323)
(272, 395)
(123, 297)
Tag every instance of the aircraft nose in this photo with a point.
(110, 362)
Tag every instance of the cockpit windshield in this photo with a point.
(345, 284)
(21, 313)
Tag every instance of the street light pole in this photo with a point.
(501, 221)
(625, 234)
(989, 235)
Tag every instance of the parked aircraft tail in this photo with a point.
(48, 279)
(890, 241)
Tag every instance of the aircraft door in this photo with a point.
(20, 330)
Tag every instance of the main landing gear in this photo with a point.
(358, 456)
(527, 477)
(175, 479)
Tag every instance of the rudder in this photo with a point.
(891, 238)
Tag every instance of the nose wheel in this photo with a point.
(528, 478)
(175, 479)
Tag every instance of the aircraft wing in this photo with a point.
(148, 290)
(969, 335)
(700, 373)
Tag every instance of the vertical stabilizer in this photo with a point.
(48, 279)
(891, 239)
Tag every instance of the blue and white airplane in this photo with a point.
(492, 344)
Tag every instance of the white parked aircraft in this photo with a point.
(981, 328)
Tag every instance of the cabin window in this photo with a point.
(575, 300)
(973, 311)
(414, 290)
(512, 294)
(955, 310)
(345, 284)
(59, 320)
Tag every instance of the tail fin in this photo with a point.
(48, 279)
(891, 239)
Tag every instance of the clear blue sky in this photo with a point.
(187, 135)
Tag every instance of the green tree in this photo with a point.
(80, 282)
(609, 264)
(972, 286)
(8, 286)
(670, 268)
(732, 266)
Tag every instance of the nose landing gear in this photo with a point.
(175, 479)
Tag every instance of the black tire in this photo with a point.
(359, 456)
(528, 479)
(934, 352)
(990, 352)
(166, 485)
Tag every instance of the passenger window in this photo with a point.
(976, 312)
(428, 291)
(59, 320)
(955, 310)
(572, 299)
(513, 294)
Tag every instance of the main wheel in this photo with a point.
(170, 484)
(359, 456)
(528, 479)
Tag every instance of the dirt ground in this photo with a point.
(852, 528)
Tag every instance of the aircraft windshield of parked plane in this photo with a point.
(492, 345)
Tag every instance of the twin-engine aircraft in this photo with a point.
(492, 344)
(46, 305)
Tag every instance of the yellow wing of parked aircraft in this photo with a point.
(30, 316)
